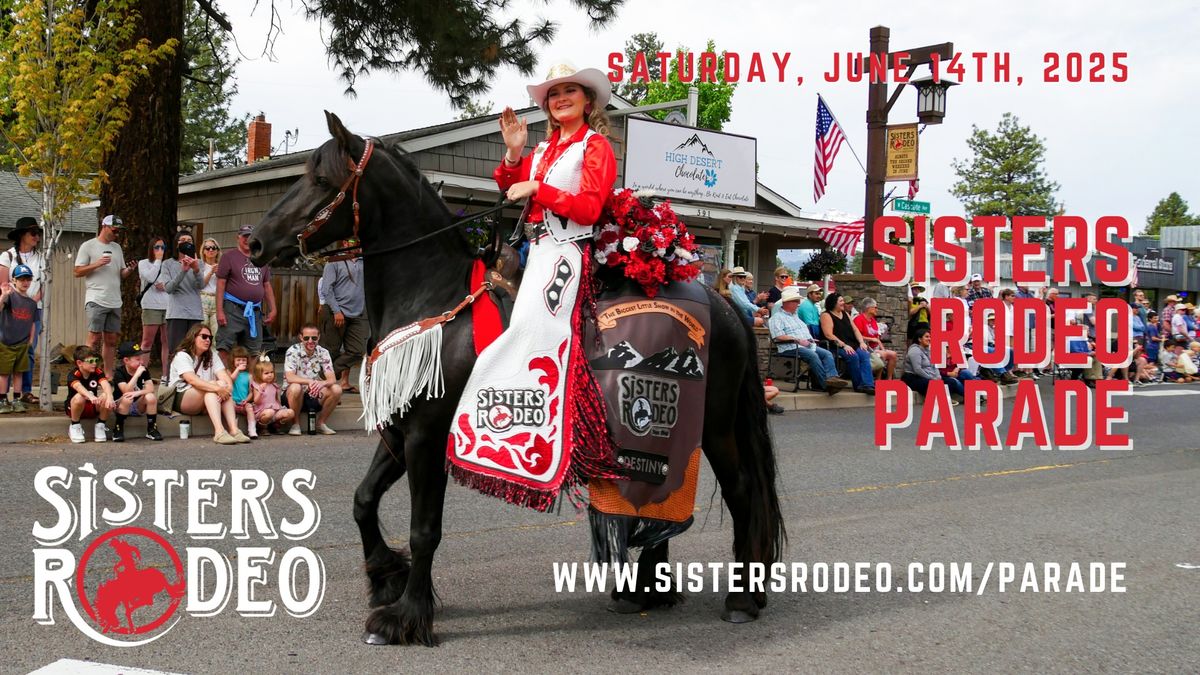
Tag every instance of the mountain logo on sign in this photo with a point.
(670, 362)
(620, 357)
(693, 142)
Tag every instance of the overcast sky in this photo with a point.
(1115, 148)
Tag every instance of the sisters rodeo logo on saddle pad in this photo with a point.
(650, 363)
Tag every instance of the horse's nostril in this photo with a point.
(256, 247)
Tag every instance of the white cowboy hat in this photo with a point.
(738, 271)
(790, 293)
(565, 72)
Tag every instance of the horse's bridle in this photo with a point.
(349, 185)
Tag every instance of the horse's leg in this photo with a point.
(409, 620)
(646, 594)
(721, 450)
(387, 568)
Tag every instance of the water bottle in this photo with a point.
(312, 423)
(185, 429)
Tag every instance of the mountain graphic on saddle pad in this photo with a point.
(620, 357)
(670, 362)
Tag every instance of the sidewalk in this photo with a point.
(22, 428)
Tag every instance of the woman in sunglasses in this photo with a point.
(783, 279)
(211, 254)
(203, 386)
(184, 280)
(154, 300)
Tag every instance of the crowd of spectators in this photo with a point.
(210, 347)
(831, 335)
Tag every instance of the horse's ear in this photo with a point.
(338, 130)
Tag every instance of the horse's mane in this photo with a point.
(328, 161)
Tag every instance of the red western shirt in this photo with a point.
(599, 173)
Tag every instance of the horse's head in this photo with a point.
(274, 238)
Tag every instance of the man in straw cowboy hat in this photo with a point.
(792, 337)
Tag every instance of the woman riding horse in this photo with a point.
(409, 241)
(534, 381)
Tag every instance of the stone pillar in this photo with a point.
(893, 306)
(729, 235)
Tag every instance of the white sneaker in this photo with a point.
(294, 431)
(75, 431)
(324, 429)
(101, 432)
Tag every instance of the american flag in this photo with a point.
(843, 237)
(912, 188)
(829, 141)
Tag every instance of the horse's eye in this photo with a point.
(321, 182)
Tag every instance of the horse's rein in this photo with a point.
(357, 251)
(349, 185)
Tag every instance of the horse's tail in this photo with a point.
(765, 535)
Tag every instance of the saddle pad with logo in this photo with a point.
(650, 360)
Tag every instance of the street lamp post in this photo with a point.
(878, 107)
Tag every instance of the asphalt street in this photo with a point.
(844, 500)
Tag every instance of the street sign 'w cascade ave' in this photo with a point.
(909, 206)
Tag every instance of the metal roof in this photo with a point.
(17, 200)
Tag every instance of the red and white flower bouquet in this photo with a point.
(645, 240)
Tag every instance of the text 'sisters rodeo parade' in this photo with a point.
(1084, 418)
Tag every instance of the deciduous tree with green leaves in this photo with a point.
(1171, 210)
(715, 105)
(1006, 176)
(67, 67)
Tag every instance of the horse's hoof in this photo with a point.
(373, 639)
(737, 616)
(624, 606)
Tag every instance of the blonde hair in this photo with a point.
(722, 284)
(214, 242)
(597, 120)
(260, 369)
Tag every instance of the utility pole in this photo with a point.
(878, 107)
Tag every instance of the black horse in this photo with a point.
(407, 283)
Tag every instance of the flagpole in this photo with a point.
(847, 141)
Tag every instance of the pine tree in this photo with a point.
(1006, 176)
(648, 45)
(208, 88)
(1171, 210)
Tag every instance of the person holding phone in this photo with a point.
(101, 262)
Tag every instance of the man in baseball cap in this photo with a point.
(245, 299)
(977, 290)
(101, 262)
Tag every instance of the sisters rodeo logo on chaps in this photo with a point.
(130, 581)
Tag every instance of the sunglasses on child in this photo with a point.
(309, 338)
(94, 360)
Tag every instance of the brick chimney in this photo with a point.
(258, 141)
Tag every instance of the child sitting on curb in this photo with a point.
(89, 395)
(137, 392)
(242, 402)
(271, 415)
